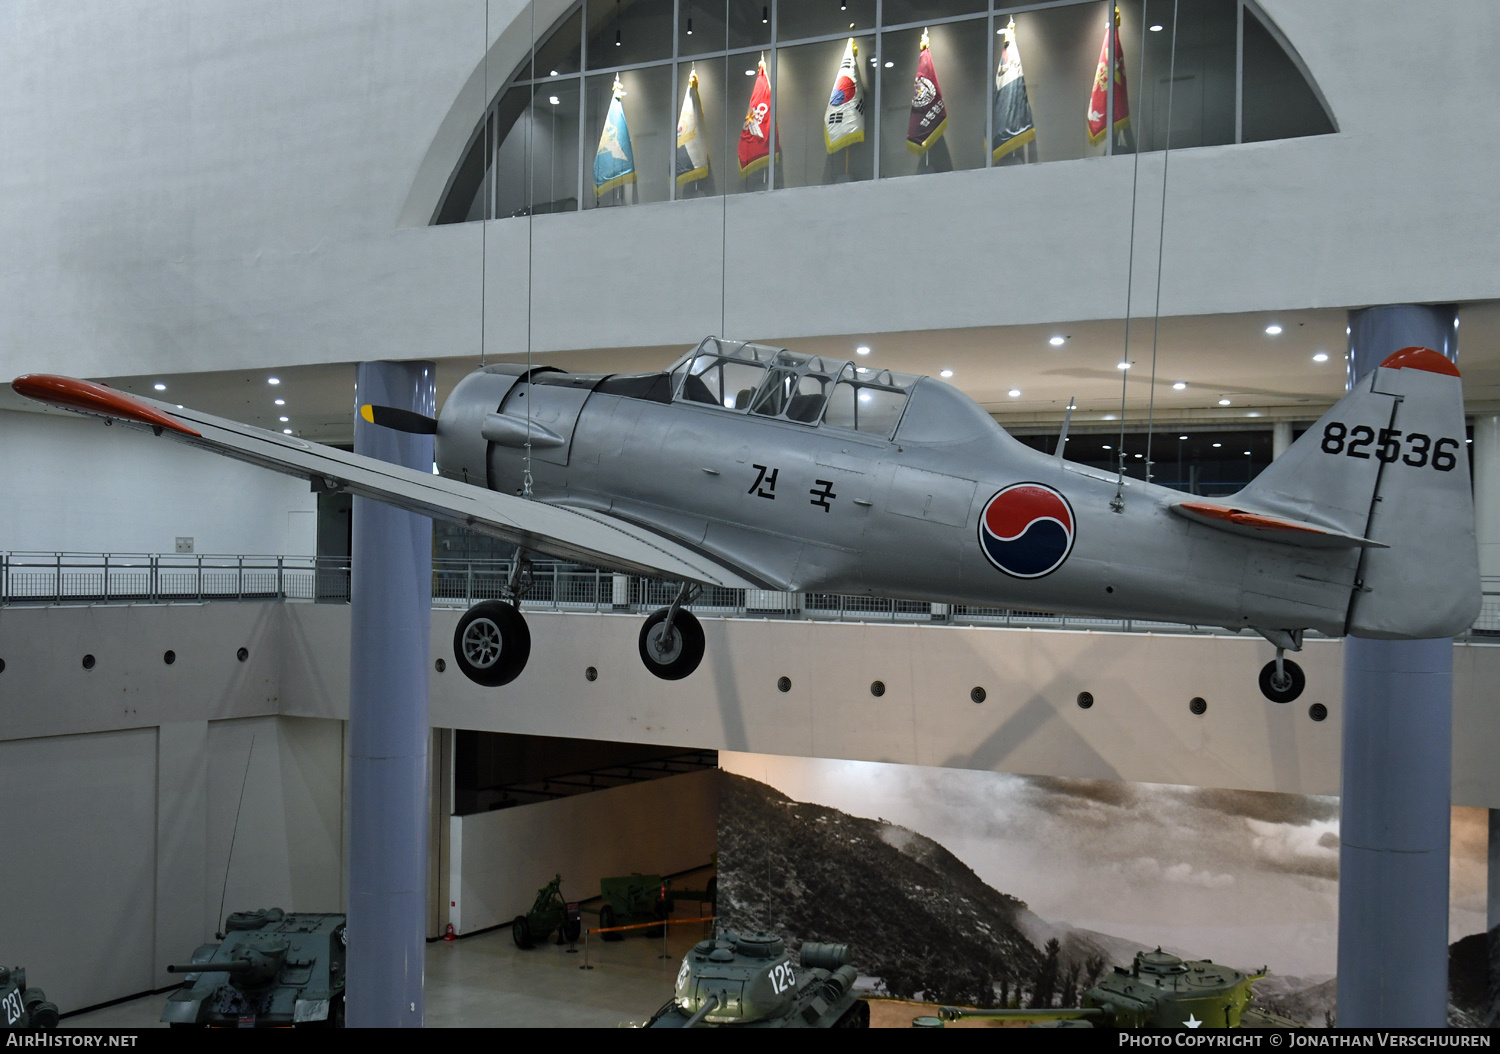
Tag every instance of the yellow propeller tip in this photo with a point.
(368, 413)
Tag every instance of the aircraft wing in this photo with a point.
(1271, 527)
(584, 537)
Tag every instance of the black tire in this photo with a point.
(491, 644)
(520, 932)
(606, 920)
(674, 658)
(1296, 681)
(571, 930)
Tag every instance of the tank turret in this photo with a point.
(749, 980)
(22, 1007)
(1159, 990)
(269, 969)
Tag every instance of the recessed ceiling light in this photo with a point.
(1140, 455)
(554, 72)
(1182, 437)
(1057, 341)
(159, 386)
(1122, 365)
(553, 99)
(280, 402)
(862, 350)
(1156, 29)
(1108, 447)
(286, 431)
(1223, 402)
(1014, 393)
(273, 380)
(1247, 453)
(1217, 445)
(285, 419)
(1178, 386)
(945, 373)
(890, 65)
(1321, 356)
(1273, 329)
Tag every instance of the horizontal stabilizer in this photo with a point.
(1271, 528)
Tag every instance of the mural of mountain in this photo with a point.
(917, 917)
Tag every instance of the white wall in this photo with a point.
(64, 489)
(219, 186)
(116, 844)
(500, 859)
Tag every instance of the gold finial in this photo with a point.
(924, 40)
(1010, 32)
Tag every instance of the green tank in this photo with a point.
(270, 969)
(1159, 990)
(22, 1007)
(749, 981)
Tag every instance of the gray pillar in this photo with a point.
(1486, 461)
(390, 623)
(1395, 808)
(1281, 438)
(1492, 1010)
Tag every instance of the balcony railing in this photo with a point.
(29, 578)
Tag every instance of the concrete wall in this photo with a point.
(219, 186)
(118, 844)
(61, 489)
(500, 859)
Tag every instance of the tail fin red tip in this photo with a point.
(1420, 359)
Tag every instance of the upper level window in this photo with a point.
(623, 102)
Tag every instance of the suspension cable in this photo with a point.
(530, 252)
(1166, 158)
(1118, 501)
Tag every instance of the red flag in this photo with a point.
(755, 136)
(929, 114)
(1098, 101)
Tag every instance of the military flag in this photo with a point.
(755, 136)
(1098, 100)
(614, 163)
(692, 147)
(929, 113)
(844, 120)
(1014, 127)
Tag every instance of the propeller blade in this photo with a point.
(400, 420)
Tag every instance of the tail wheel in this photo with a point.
(606, 920)
(520, 931)
(672, 654)
(491, 644)
(1285, 688)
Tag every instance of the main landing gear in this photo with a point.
(671, 642)
(491, 644)
(1281, 679)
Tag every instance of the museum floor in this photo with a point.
(485, 981)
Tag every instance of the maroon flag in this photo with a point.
(1098, 99)
(929, 114)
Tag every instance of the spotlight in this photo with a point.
(1156, 29)
(618, 41)
(159, 386)
(1320, 357)
(1223, 402)
(280, 402)
(1182, 437)
(1217, 445)
(1014, 393)
(273, 380)
(690, 27)
(1273, 329)
(553, 99)
(1178, 386)
(889, 65)
(945, 373)
(1122, 365)
(1057, 341)
(765, 15)
(286, 431)
(862, 350)
(284, 420)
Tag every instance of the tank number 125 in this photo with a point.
(782, 978)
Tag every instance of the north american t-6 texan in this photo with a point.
(749, 466)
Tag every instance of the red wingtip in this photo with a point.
(90, 398)
(1420, 359)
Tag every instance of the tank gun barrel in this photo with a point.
(709, 1006)
(1077, 1013)
(230, 966)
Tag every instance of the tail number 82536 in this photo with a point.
(1421, 450)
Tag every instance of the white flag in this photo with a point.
(844, 121)
(692, 147)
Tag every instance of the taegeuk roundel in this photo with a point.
(1027, 530)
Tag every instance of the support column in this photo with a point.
(1281, 438)
(1395, 806)
(390, 626)
(1486, 461)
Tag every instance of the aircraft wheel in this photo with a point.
(672, 655)
(491, 644)
(520, 931)
(1288, 688)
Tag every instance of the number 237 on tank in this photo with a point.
(1420, 449)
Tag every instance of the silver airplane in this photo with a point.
(750, 466)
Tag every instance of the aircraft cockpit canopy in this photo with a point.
(763, 381)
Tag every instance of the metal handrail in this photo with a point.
(38, 578)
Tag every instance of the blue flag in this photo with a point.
(614, 164)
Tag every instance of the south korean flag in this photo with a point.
(844, 120)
